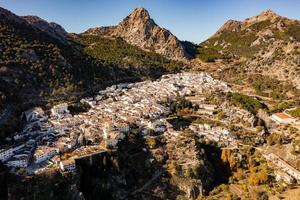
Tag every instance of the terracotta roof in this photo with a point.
(282, 115)
(68, 162)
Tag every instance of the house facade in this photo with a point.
(21, 162)
(67, 165)
(44, 153)
(9, 152)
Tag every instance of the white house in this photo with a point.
(60, 110)
(44, 153)
(208, 106)
(196, 99)
(55, 159)
(20, 161)
(6, 154)
(205, 112)
(33, 114)
(283, 118)
(9, 152)
(67, 165)
(284, 177)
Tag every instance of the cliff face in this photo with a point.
(139, 29)
(138, 169)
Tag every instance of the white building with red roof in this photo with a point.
(283, 118)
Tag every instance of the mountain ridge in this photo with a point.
(53, 29)
(266, 45)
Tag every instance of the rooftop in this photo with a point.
(282, 116)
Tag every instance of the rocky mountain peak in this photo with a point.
(139, 14)
(234, 26)
(139, 29)
(268, 13)
(230, 25)
(265, 15)
(138, 20)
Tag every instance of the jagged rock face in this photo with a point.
(53, 29)
(265, 15)
(139, 29)
(230, 25)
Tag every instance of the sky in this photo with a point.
(192, 20)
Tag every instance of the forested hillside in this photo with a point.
(36, 68)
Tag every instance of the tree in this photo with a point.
(258, 178)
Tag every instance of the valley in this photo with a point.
(131, 112)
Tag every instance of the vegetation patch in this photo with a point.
(119, 52)
(270, 87)
(246, 102)
(295, 112)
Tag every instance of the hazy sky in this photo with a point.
(193, 20)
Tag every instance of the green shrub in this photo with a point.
(295, 112)
(248, 103)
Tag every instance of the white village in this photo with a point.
(113, 111)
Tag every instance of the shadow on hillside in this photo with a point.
(222, 170)
(131, 172)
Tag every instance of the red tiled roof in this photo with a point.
(282, 115)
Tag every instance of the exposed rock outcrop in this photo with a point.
(235, 26)
(139, 29)
(230, 25)
(265, 15)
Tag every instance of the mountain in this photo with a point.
(39, 65)
(53, 29)
(236, 26)
(139, 29)
(34, 67)
(266, 44)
